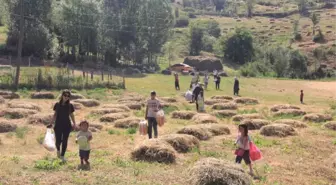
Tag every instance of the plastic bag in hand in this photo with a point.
(49, 141)
(160, 119)
(188, 95)
(143, 127)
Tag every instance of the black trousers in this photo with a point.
(217, 85)
(152, 124)
(246, 157)
(62, 136)
(177, 85)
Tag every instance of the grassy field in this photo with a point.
(303, 159)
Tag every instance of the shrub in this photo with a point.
(248, 70)
(297, 64)
(182, 21)
(319, 37)
(53, 164)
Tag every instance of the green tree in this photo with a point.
(249, 7)
(210, 27)
(303, 7)
(315, 20)
(196, 40)
(297, 64)
(219, 4)
(280, 58)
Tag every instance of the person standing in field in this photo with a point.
(196, 92)
(177, 83)
(200, 102)
(153, 106)
(206, 81)
(301, 97)
(236, 87)
(218, 80)
(243, 147)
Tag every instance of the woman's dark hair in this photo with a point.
(245, 129)
(63, 93)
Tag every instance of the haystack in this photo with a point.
(181, 142)
(215, 101)
(204, 63)
(212, 171)
(217, 129)
(76, 96)
(88, 102)
(131, 99)
(117, 106)
(127, 122)
(221, 97)
(24, 105)
(243, 100)
(169, 99)
(224, 113)
(43, 119)
(276, 108)
(183, 114)
(154, 150)
(330, 125)
(9, 95)
(292, 112)
(255, 124)
(77, 106)
(103, 111)
(113, 117)
(2, 100)
(293, 123)
(92, 127)
(134, 105)
(204, 119)
(225, 106)
(17, 113)
(196, 130)
(6, 126)
(316, 117)
(280, 130)
(241, 117)
(42, 95)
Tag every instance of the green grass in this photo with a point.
(262, 141)
(113, 132)
(170, 109)
(40, 139)
(21, 132)
(131, 131)
(48, 164)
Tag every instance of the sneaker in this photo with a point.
(58, 154)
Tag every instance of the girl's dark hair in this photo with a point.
(84, 122)
(245, 129)
(63, 93)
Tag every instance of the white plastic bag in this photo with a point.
(143, 127)
(160, 118)
(188, 95)
(49, 141)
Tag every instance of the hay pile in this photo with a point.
(198, 131)
(131, 99)
(241, 117)
(220, 97)
(134, 105)
(204, 63)
(154, 150)
(330, 125)
(17, 113)
(293, 123)
(103, 111)
(280, 130)
(212, 171)
(181, 142)
(127, 122)
(77, 106)
(2, 100)
(183, 114)
(169, 99)
(26, 105)
(250, 101)
(88, 102)
(42, 95)
(44, 119)
(224, 113)
(276, 108)
(113, 117)
(293, 112)
(76, 96)
(225, 106)
(117, 106)
(6, 126)
(217, 129)
(204, 119)
(316, 117)
(92, 128)
(215, 101)
(9, 95)
(255, 124)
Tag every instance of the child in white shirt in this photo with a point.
(84, 136)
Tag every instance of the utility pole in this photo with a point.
(17, 77)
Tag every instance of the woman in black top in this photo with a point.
(218, 82)
(63, 112)
(236, 87)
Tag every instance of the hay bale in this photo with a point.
(6, 126)
(293, 123)
(75, 96)
(2, 100)
(169, 99)
(42, 95)
(211, 171)
(113, 117)
(198, 131)
(181, 142)
(154, 150)
(276, 108)
(134, 105)
(77, 106)
(215, 101)
(127, 123)
(225, 106)
(204, 118)
(280, 130)
(220, 97)
(224, 113)
(183, 114)
(246, 101)
(43, 119)
(217, 129)
(293, 112)
(316, 117)
(204, 63)
(17, 113)
(330, 125)
(255, 124)
(9, 95)
(88, 102)
(117, 106)
(241, 117)
(24, 105)
(102, 111)
(131, 99)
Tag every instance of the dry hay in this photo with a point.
(2, 100)
(17, 113)
(88, 102)
(183, 114)
(44, 119)
(215, 101)
(204, 119)
(181, 142)
(95, 127)
(280, 130)
(117, 106)
(225, 106)
(293, 123)
(224, 113)
(102, 111)
(77, 106)
(113, 117)
(154, 150)
(198, 131)
(217, 129)
(169, 99)
(330, 125)
(24, 105)
(169, 106)
(220, 97)
(131, 99)
(76, 96)
(276, 108)
(316, 117)
(42, 95)
(255, 124)
(293, 112)
(127, 122)
(6, 126)
(241, 117)
(211, 171)
(134, 105)
(246, 100)
(9, 95)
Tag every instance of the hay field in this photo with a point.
(305, 158)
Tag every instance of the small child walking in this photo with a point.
(301, 97)
(84, 136)
(243, 147)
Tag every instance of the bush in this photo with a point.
(191, 15)
(182, 21)
(319, 37)
(297, 36)
(248, 70)
(297, 64)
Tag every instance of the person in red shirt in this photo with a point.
(177, 83)
(301, 97)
